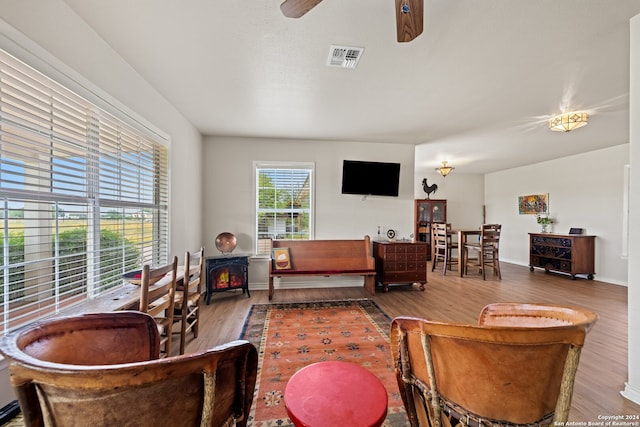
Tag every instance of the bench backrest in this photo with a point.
(328, 255)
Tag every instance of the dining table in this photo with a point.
(124, 297)
(463, 238)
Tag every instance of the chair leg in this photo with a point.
(166, 337)
(451, 259)
(466, 263)
(448, 265)
(444, 264)
(197, 322)
(465, 259)
(183, 332)
(481, 262)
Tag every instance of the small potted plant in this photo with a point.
(544, 221)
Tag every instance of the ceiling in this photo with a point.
(476, 88)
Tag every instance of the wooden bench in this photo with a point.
(326, 258)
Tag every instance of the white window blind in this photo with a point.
(84, 196)
(284, 203)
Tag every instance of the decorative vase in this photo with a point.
(544, 227)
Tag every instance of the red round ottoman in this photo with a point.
(334, 394)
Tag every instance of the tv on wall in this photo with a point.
(370, 178)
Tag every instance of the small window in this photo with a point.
(284, 208)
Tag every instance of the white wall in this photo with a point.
(632, 389)
(464, 194)
(585, 191)
(229, 190)
(51, 38)
(575, 199)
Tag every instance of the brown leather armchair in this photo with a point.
(535, 315)
(501, 371)
(103, 370)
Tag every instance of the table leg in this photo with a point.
(462, 253)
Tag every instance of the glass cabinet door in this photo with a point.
(427, 212)
(438, 212)
(424, 212)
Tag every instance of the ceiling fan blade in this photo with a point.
(409, 16)
(297, 8)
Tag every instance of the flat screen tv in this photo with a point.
(370, 178)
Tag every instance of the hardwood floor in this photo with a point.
(603, 365)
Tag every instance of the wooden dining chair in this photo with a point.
(442, 247)
(103, 370)
(453, 243)
(490, 374)
(188, 296)
(487, 250)
(157, 297)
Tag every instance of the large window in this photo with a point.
(83, 196)
(284, 203)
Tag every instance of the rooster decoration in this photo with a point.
(429, 188)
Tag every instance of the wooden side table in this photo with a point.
(335, 394)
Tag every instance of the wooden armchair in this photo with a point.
(88, 339)
(102, 370)
(490, 374)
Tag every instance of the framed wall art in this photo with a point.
(533, 204)
(281, 258)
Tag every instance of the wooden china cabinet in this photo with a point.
(427, 212)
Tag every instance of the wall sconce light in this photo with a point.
(444, 170)
(568, 121)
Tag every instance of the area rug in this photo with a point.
(293, 335)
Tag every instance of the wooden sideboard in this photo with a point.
(565, 253)
(401, 263)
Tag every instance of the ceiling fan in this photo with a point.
(409, 15)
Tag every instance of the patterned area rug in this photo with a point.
(291, 336)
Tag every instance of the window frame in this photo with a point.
(260, 249)
(136, 155)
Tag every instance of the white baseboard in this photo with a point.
(581, 276)
(312, 282)
(632, 393)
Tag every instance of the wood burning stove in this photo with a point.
(224, 273)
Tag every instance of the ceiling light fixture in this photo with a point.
(444, 170)
(568, 121)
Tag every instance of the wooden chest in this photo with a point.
(401, 263)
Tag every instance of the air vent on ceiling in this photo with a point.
(344, 56)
